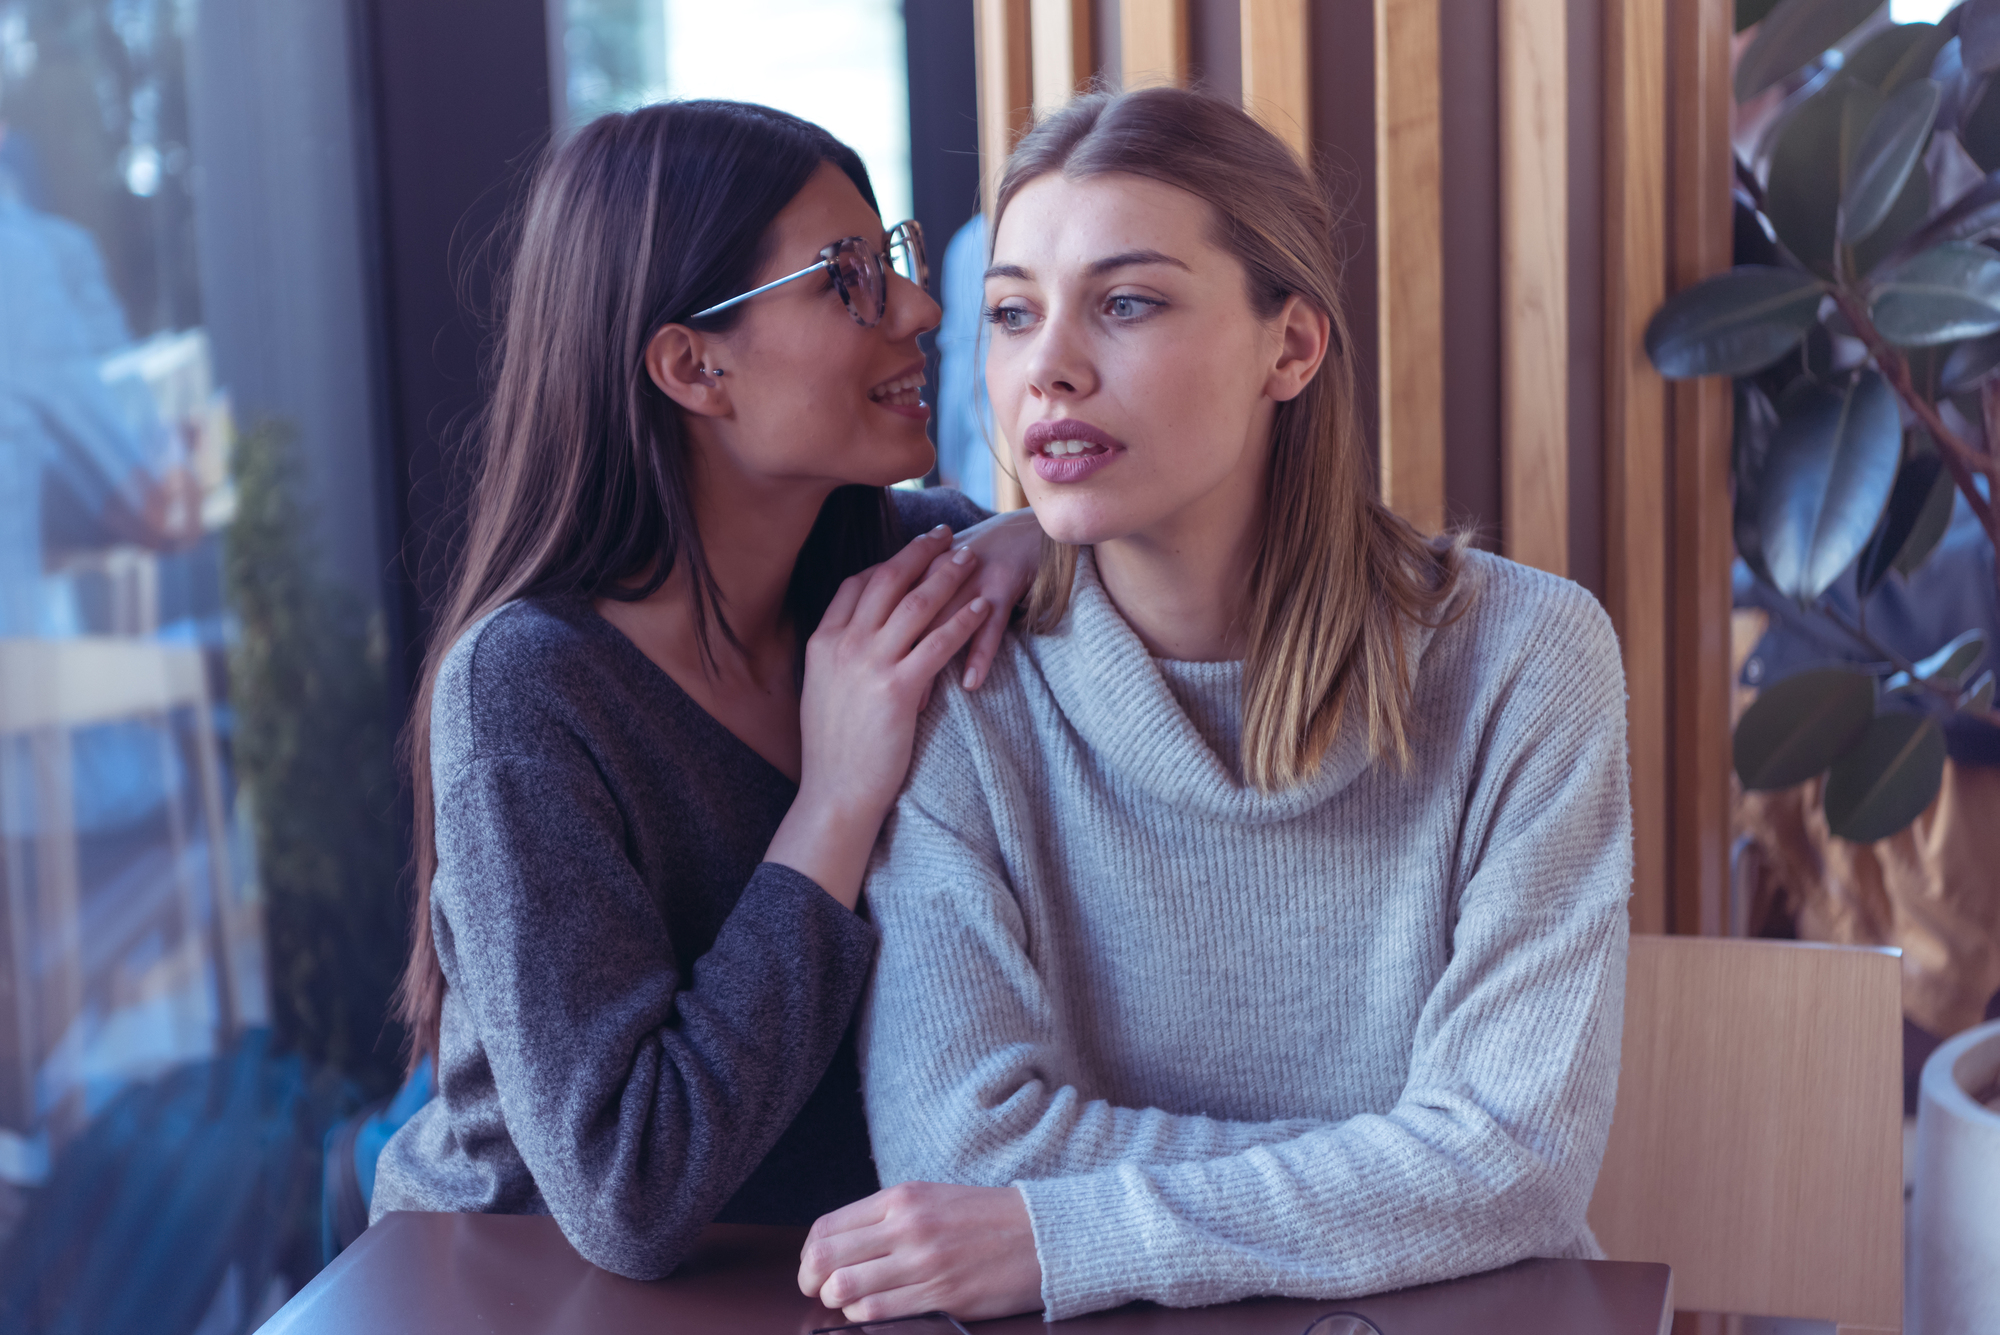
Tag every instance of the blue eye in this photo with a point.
(1013, 319)
(1130, 308)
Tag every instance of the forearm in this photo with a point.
(827, 841)
(1378, 1203)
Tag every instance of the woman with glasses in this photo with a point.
(1277, 877)
(672, 691)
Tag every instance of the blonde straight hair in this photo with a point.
(1339, 578)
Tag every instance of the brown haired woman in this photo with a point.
(664, 715)
(1278, 876)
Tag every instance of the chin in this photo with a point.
(1076, 520)
(911, 460)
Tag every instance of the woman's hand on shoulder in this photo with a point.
(925, 1247)
(869, 668)
(1009, 547)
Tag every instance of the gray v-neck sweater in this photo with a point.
(1355, 1035)
(646, 1026)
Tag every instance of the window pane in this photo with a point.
(841, 65)
(197, 861)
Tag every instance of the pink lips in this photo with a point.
(1070, 467)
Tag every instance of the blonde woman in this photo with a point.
(1260, 927)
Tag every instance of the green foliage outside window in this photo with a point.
(313, 747)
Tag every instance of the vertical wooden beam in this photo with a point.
(1276, 87)
(1698, 42)
(1409, 251)
(1059, 39)
(1006, 97)
(1153, 41)
(1635, 420)
(1006, 100)
(1534, 283)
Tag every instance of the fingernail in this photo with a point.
(961, 556)
(976, 606)
(942, 530)
(969, 679)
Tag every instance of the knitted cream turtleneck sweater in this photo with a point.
(1354, 1035)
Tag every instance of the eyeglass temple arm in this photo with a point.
(721, 306)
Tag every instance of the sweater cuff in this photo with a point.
(1096, 1245)
(821, 912)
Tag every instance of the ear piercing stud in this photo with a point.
(705, 371)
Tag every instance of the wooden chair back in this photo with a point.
(1757, 1142)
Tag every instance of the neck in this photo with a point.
(1183, 584)
(751, 532)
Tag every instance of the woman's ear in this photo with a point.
(1304, 331)
(683, 364)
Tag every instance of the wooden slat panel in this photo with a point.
(1409, 260)
(1698, 86)
(1276, 87)
(1635, 411)
(1756, 1146)
(1534, 284)
(1059, 37)
(1000, 34)
(1006, 99)
(1153, 41)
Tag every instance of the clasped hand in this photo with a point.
(925, 1247)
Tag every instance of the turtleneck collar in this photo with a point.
(1113, 693)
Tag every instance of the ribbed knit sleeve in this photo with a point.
(1485, 1145)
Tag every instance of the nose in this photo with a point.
(1058, 365)
(911, 310)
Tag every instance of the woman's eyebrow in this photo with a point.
(1128, 258)
(1124, 259)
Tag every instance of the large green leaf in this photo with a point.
(1947, 293)
(1734, 323)
(1906, 217)
(1979, 126)
(1887, 779)
(1950, 663)
(1750, 444)
(1795, 728)
(1955, 659)
(1832, 466)
(1972, 216)
(1930, 526)
(1751, 11)
(1969, 365)
(1802, 194)
(1793, 34)
(1915, 481)
(1890, 147)
(1894, 56)
(1979, 35)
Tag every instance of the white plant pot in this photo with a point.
(1954, 1279)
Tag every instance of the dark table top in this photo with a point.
(439, 1274)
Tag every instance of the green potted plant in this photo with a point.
(1866, 354)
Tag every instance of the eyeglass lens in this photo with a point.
(862, 285)
(858, 271)
(906, 252)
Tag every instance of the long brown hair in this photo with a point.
(582, 482)
(1338, 576)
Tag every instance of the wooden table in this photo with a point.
(440, 1274)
